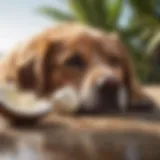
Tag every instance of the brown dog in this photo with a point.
(93, 62)
(98, 66)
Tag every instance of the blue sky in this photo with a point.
(19, 20)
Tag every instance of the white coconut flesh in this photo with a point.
(65, 100)
(23, 103)
(27, 104)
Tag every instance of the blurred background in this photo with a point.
(136, 21)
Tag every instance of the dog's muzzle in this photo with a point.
(108, 95)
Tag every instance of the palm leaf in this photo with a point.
(154, 42)
(142, 6)
(99, 13)
(114, 10)
(56, 14)
(78, 8)
(92, 12)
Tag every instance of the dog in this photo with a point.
(95, 63)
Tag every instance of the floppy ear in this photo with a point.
(26, 78)
(33, 67)
(44, 67)
(138, 100)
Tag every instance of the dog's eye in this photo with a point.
(114, 61)
(76, 61)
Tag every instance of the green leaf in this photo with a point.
(154, 42)
(92, 12)
(78, 8)
(56, 14)
(114, 9)
(144, 6)
(130, 32)
(99, 13)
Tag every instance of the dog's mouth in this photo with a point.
(106, 101)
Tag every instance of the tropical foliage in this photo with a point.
(140, 29)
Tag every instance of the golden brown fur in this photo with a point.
(40, 64)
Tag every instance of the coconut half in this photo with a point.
(65, 100)
(24, 104)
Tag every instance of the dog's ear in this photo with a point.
(26, 75)
(139, 101)
(26, 60)
(45, 65)
(10, 66)
(33, 65)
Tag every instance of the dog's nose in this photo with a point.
(108, 83)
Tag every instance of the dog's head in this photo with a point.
(93, 62)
